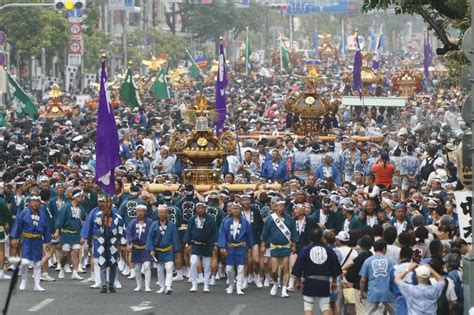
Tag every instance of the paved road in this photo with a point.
(73, 297)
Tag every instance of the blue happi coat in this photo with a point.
(137, 236)
(236, 238)
(34, 231)
(275, 239)
(163, 240)
(70, 224)
(201, 238)
(107, 239)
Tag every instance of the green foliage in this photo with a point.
(31, 29)
(214, 20)
(95, 45)
(166, 43)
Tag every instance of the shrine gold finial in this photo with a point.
(55, 92)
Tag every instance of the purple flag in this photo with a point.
(356, 72)
(107, 141)
(221, 83)
(376, 59)
(428, 55)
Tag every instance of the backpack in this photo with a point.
(443, 303)
(427, 168)
(352, 275)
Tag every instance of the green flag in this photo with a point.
(195, 71)
(248, 53)
(129, 91)
(284, 58)
(3, 122)
(160, 87)
(21, 102)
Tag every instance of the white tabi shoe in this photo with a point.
(46, 277)
(168, 290)
(76, 276)
(61, 274)
(161, 290)
(230, 289)
(137, 289)
(258, 282)
(96, 286)
(67, 268)
(213, 281)
(193, 288)
(274, 290)
(206, 288)
(132, 274)
(38, 288)
(266, 282)
(22, 285)
(284, 294)
(239, 292)
(147, 289)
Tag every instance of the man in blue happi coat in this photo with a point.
(235, 241)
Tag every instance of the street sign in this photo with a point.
(121, 5)
(74, 28)
(74, 60)
(304, 7)
(3, 58)
(75, 47)
(3, 38)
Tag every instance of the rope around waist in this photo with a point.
(234, 245)
(30, 235)
(66, 231)
(275, 246)
(164, 249)
(138, 246)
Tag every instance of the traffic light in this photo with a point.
(279, 6)
(69, 4)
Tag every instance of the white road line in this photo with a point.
(39, 306)
(237, 309)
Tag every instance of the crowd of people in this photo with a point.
(357, 226)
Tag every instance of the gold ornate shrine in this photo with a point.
(406, 82)
(55, 108)
(201, 151)
(178, 79)
(309, 109)
(326, 50)
(368, 76)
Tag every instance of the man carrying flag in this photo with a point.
(21, 102)
(194, 69)
(108, 230)
(356, 72)
(248, 53)
(221, 84)
(129, 92)
(284, 56)
(160, 87)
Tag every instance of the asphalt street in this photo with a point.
(73, 297)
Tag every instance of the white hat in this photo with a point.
(423, 272)
(343, 236)
(439, 162)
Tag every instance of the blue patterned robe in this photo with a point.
(107, 239)
(236, 245)
(138, 240)
(164, 241)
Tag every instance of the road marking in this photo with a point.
(237, 309)
(141, 307)
(39, 306)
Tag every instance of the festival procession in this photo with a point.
(215, 157)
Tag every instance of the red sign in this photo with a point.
(74, 28)
(75, 47)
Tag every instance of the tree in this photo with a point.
(439, 15)
(211, 21)
(31, 29)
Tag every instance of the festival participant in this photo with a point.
(128, 212)
(280, 235)
(317, 264)
(140, 163)
(137, 234)
(5, 221)
(187, 207)
(200, 239)
(32, 227)
(109, 235)
(162, 244)
(304, 225)
(254, 217)
(275, 168)
(235, 243)
(68, 225)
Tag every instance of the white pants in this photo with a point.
(206, 264)
(36, 272)
(240, 275)
(165, 281)
(138, 274)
